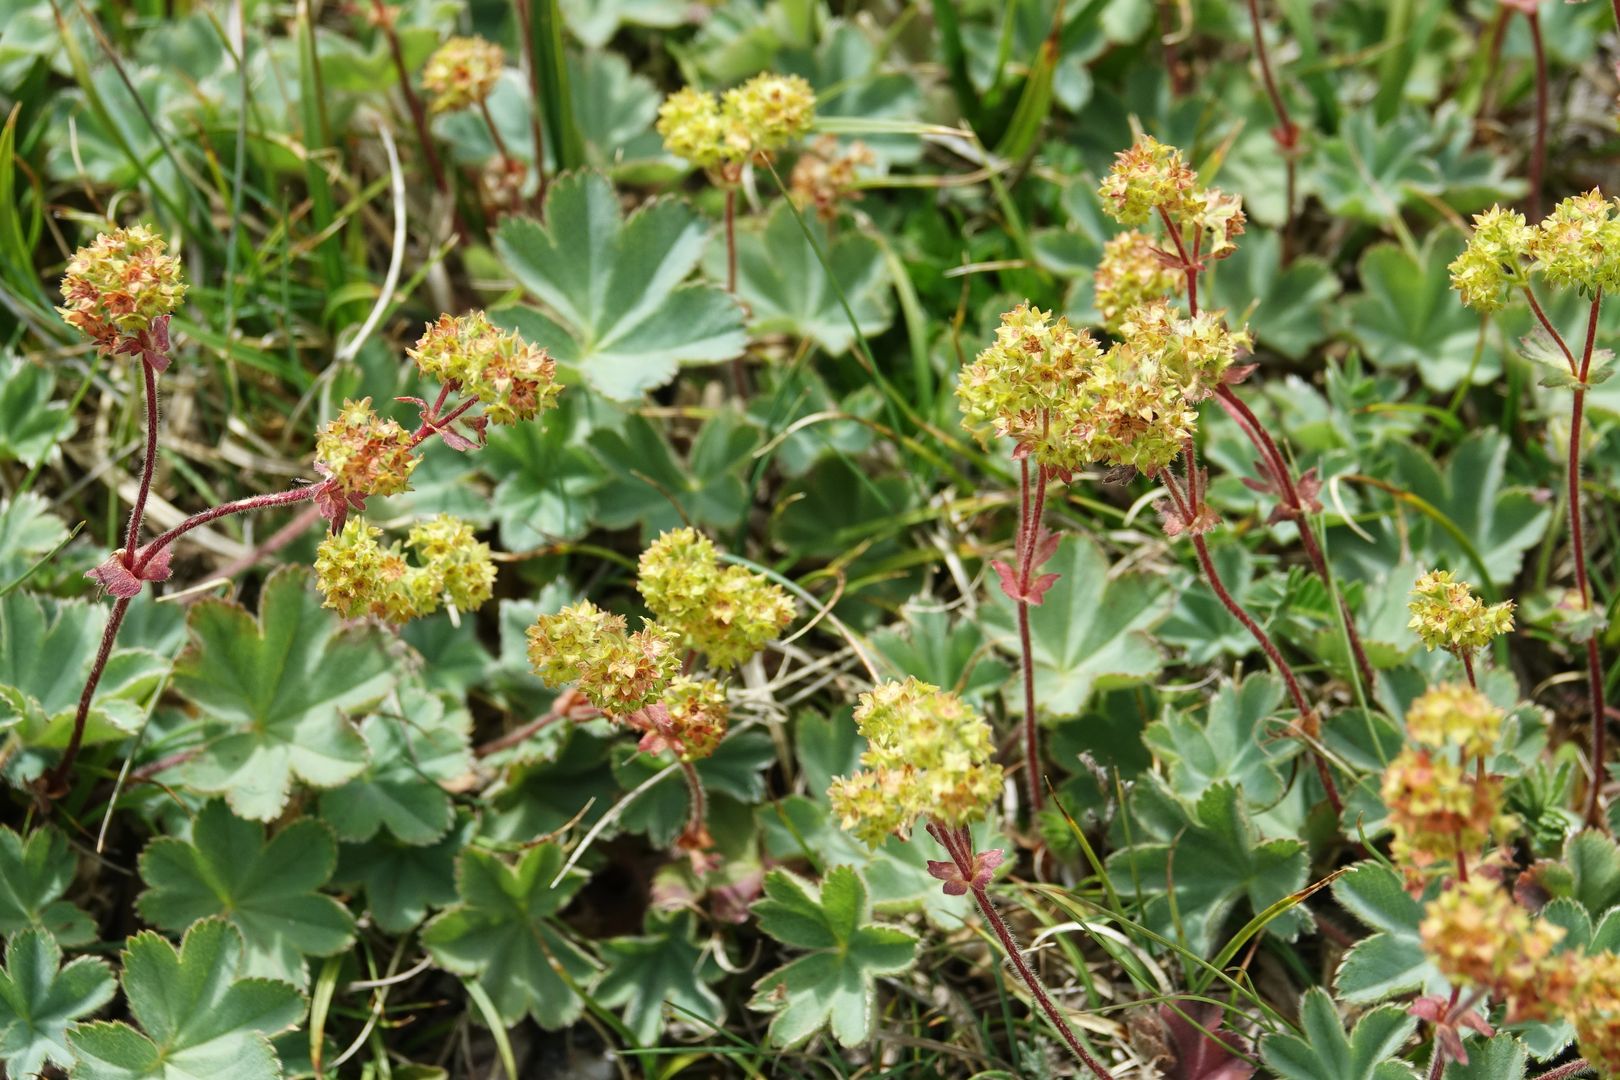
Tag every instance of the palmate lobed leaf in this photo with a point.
(664, 966)
(273, 691)
(1090, 632)
(34, 873)
(503, 931)
(199, 1016)
(1391, 960)
(267, 889)
(1367, 1054)
(39, 998)
(619, 315)
(834, 986)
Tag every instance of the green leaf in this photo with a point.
(504, 931)
(1490, 1059)
(788, 291)
(272, 692)
(665, 965)
(1236, 742)
(46, 650)
(736, 769)
(34, 873)
(413, 752)
(1594, 861)
(198, 1016)
(266, 889)
(1407, 318)
(1325, 1051)
(29, 417)
(1192, 880)
(1091, 633)
(1391, 960)
(28, 532)
(954, 655)
(1289, 304)
(835, 984)
(39, 998)
(402, 881)
(648, 486)
(546, 478)
(594, 22)
(619, 315)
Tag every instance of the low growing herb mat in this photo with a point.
(809, 539)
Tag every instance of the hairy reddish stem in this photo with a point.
(1029, 530)
(1287, 135)
(1594, 664)
(739, 371)
(958, 843)
(1467, 658)
(54, 784)
(240, 506)
(1538, 155)
(495, 133)
(1574, 1068)
(138, 513)
(1272, 457)
(385, 23)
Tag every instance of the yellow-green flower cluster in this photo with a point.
(1493, 263)
(364, 454)
(618, 672)
(1578, 244)
(1596, 1009)
(1132, 272)
(1197, 352)
(119, 284)
(1152, 178)
(751, 121)
(512, 379)
(727, 613)
(462, 73)
(1479, 937)
(359, 576)
(1455, 715)
(824, 176)
(696, 711)
(1447, 615)
(928, 754)
(1065, 403)
(1438, 809)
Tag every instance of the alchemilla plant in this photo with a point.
(968, 540)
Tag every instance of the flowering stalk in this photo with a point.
(1594, 664)
(382, 16)
(1538, 155)
(973, 870)
(1029, 530)
(1285, 133)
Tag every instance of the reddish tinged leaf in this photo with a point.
(1046, 545)
(1448, 1025)
(1033, 594)
(456, 441)
(1237, 373)
(984, 868)
(123, 581)
(1309, 487)
(1175, 523)
(1200, 1050)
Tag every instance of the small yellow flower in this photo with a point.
(1131, 272)
(1455, 715)
(364, 454)
(462, 73)
(1447, 615)
(824, 176)
(1149, 176)
(460, 565)
(359, 577)
(1596, 1010)
(928, 753)
(773, 109)
(1578, 244)
(750, 121)
(697, 712)
(512, 379)
(119, 285)
(1439, 810)
(561, 644)
(618, 672)
(1478, 936)
(1493, 263)
(727, 613)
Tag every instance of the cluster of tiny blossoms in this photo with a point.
(727, 613)
(359, 576)
(1576, 246)
(1065, 403)
(616, 670)
(1442, 808)
(824, 176)
(512, 379)
(362, 454)
(1151, 178)
(1447, 615)
(120, 287)
(1132, 271)
(748, 122)
(462, 73)
(928, 754)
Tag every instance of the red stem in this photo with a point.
(495, 133)
(1467, 658)
(418, 114)
(1188, 265)
(1546, 324)
(1594, 664)
(257, 502)
(739, 371)
(1274, 462)
(1286, 134)
(138, 513)
(54, 783)
(1029, 537)
(1574, 1068)
(1538, 156)
(524, 16)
